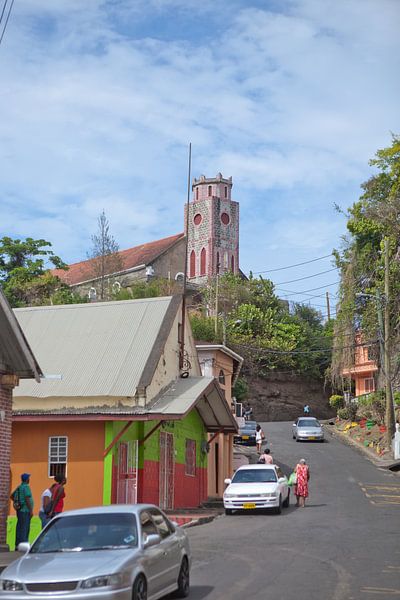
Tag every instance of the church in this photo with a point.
(209, 243)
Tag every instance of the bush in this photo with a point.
(396, 398)
(352, 410)
(336, 401)
(343, 413)
(241, 389)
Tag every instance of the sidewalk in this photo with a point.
(381, 462)
(8, 557)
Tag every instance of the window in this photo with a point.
(369, 385)
(58, 453)
(226, 191)
(232, 263)
(197, 219)
(197, 193)
(192, 267)
(203, 257)
(221, 377)
(190, 458)
(210, 190)
(147, 525)
(163, 527)
(225, 218)
(218, 265)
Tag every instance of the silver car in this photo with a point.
(118, 552)
(307, 428)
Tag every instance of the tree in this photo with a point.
(24, 273)
(104, 255)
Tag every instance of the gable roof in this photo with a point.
(15, 354)
(132, 257)
(97, 350)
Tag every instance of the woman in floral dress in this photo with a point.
(303, 476)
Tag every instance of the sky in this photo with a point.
(100, 99)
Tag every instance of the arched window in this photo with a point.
(218, 264)
(192, 267)
(225, 261)
(210, 190)
(197, 193)
(203, 262)
(232, 263)
(226, 191)
(221, 377)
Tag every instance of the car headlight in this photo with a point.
(114, 581)
(9, 585)
(271, 495)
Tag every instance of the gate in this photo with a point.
(167, 464)
(127, 474)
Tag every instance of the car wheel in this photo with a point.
(228, 511)
(297, 439)
(139, 591)
(286, 502)
(183, 580)
(278, 509)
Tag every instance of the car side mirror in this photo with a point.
(282, 480)
(227, 481)
(151, 540)
(294, 423)
(24, 547)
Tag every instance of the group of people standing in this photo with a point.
(51, 504)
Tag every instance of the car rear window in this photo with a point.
(254, 476)
(308, 423)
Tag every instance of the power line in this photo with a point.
(2, 12)
(292, 266)
(310, 290)
(307, 277)
(312, 351)
(8, 16)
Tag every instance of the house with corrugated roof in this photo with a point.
(124, 411)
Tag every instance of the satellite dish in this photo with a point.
(116, 286)
(180, 276)
(92, 295)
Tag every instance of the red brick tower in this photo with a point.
(213, 236)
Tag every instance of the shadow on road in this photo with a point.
(197, 592)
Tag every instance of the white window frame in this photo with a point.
(57, 458)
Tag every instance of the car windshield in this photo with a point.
(254, 476)
(249, 425)
(78, 533)
(308, 423)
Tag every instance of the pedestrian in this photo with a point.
(57, 496)
(266, 457)
(248, 412)
(45, 505)
(302, 479)
(23, 504)
(306, 410)
(260, 436)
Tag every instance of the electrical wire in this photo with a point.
(307, 277)
(2, 12)
(312, 351)
(310, 290)
(307, 262)
(6, 23)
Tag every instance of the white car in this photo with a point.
(117, 552)
(257, 486)
(307, 428)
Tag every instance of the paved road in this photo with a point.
(344, 545)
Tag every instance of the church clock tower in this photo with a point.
(213, 236)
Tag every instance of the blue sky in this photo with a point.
(99, 100)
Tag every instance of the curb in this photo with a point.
(381, 464)
(200, 521)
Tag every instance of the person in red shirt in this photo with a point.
(58, 495)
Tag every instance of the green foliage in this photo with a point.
(241, 389)
(203, 328)
(155, 288)
(25, 277)
(343, 413)
(336, 401)
(396, 398)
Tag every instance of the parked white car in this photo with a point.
(118, 552)
(307, 428)
(257, 486)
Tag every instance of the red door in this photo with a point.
(127, 473)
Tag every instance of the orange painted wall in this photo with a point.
(85, 459)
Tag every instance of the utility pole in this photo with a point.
(389, 401)
(216, 301)
(328, 306)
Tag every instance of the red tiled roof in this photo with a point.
(132, 257)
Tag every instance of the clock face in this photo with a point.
(225, 218)
(197, 219)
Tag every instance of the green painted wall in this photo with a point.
(36, 528)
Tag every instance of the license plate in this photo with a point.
(249, 505)
(311, 437)
(245, 437)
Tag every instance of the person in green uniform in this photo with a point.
(23, 504)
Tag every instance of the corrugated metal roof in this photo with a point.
(15, 354)
(203, 393)
(98, 349)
